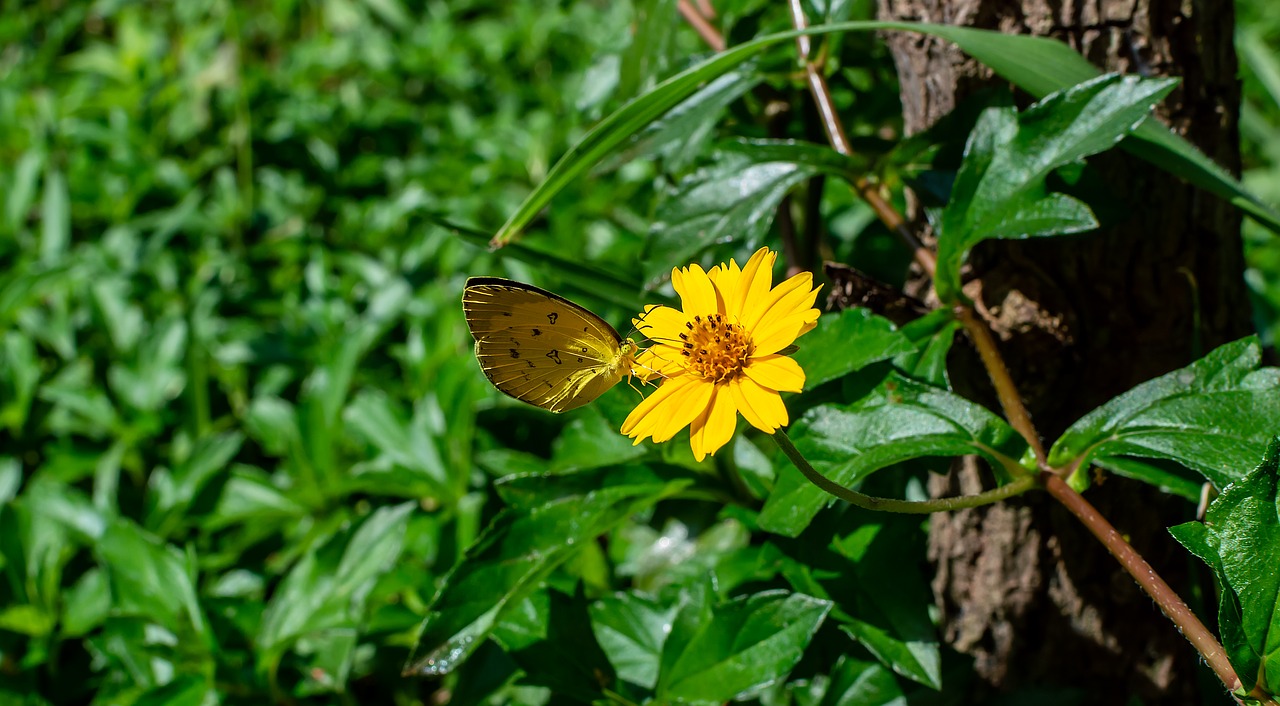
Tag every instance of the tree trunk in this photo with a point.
(1023, 588)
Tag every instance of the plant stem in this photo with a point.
(1006, 390)
(839, 140)
(701, 25)
(1170, 603)
(910, 507)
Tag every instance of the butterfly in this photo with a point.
(541, 348)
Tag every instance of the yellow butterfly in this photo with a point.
(541, 348)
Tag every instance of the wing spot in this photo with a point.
(515, 353)
(552, 317)
(555, 355)
(506, 313)
(536, 332)
(579, 359)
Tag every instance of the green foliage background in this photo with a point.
(242, 439)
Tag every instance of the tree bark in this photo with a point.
(1022, 588)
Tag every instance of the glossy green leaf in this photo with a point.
(517, 551)
(893, 622)
(1000, 191)
(737, 647)
(931, 337)
(854, 682)
(737, 196)
(845, 342)
(1038, 65)
(1240, 540)
(1204, 416)
(589, 441)
(679, 137)
(568, 661)
(900, 420)
(631, 628)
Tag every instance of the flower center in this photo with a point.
(714, 349)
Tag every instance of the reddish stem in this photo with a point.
(1170, 603)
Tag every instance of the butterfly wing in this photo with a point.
(541, 348)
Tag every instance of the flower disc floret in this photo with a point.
(715, 349)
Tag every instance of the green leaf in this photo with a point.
(19, 375)
(404, 445)
(150, 578)
(893, 622)
(931, 336)
(736, 197)
(327, 589)
(55, 217)
(631, 628)
(22, 189)
(1038, 65)
(1204, 416)
(679, 136)
(854, 682)
(172, 493)
(889, 618)
(510, 560)
(900, 420)
(1240, 540)
(999, 191)
(845, 342)
(589, 441)
(569, 661)
(737, 648)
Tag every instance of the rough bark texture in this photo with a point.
(1022, 587)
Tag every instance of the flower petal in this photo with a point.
(660, 361)
(753, 286)
(762, 407)
(641, 420)
(790, 309)
(661, 323)
(681, 411)
(746, 407)
(714, 427)
(697, 292)
(672, 406)
(776, 372)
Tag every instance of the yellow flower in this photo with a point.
(720, 356)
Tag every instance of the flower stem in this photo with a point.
(1170, 603)
(910, 507)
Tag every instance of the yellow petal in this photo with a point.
(658, 361)
(762, 407)
(675, 403)
(661, 323)
(753, 286)
(714, 427)
(777, 338)
(697, 293)
(725, 277)
(641, 420)
(776, 372)
(679, 411)
(787, 298)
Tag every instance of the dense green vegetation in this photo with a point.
(242, 437)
